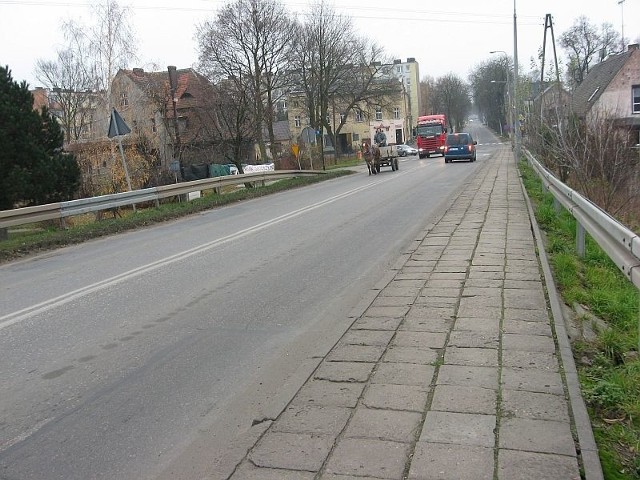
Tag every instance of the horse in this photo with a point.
(369, 153)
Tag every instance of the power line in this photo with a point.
(400, 14)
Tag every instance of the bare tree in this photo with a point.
(231, 124)
(81, 74)
(451, 96)
(72, 97)
(426, 91)
(107, 46)
(249, 43)
(587, 45)
(593, 156)
(366, 85)
(489, 87)
(336, 67)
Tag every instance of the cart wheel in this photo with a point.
(393, 165)
(378, 168)
(395, 160)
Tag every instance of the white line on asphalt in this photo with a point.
(25, 313)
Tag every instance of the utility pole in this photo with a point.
(516, 110)
(173, 84)
(548, 24)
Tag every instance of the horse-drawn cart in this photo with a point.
(377, 157)
(388, 158)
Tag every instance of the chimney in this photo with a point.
(633, 46)
(173, 77)
(397, 61)
(138, 71)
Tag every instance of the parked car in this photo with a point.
(404, 150)
(460, 146)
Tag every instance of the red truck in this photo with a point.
(431, 134)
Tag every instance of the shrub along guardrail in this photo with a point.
(61, 210)
(620, 243)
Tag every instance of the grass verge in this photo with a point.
(50, 235)
(608, 364)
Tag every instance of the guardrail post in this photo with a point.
(580, 239)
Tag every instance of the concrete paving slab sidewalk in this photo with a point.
(459, 369)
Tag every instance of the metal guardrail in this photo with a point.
(61, 210)
(619, 243)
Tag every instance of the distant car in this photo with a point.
(460, 146)
(404, 150)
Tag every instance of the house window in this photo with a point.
(378, 113)
(359, 116)
(356, 137)
(284, 105)
(343, 117)
(635, 93)
(183, 124)
(297, 121)
(396, 113)
(124, 99)
(296, 104)
(154, 127)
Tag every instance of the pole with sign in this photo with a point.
(296, 150)
(117, 127)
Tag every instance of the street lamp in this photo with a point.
(509, 93)
(508, 104)
(516, 112)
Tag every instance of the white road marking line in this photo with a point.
(28, 312)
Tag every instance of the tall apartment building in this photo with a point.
(409, 74)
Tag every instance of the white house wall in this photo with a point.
(616, 99)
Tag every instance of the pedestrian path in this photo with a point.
(457, 370)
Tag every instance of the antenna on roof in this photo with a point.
(621, 3)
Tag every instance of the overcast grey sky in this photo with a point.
(452, 37)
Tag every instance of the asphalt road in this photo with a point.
(157, 353)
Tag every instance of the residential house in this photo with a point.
(173, 122)
(40, 98)
(612, 88)
(360, 124)
(551, 105)
(75, 110)
(389, 111)
(282, 137)
(170, 129)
